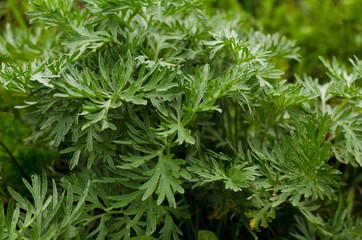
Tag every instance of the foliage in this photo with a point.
(17, 159)
(341, 226)
(159, 107)
(21, 156)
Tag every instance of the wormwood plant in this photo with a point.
(163, 111)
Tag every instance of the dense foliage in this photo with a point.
(165, 115)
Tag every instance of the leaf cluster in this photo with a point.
(156, 104)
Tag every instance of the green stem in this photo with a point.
(229, 123)
(13, 159)
(195, 122)
(342, 106)
(236, 124)
(17, 14)
(274, 117)
(218, 228)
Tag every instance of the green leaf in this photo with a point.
(206, 235)
(75, 159)
(143, 238)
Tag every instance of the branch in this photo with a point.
(13, 159)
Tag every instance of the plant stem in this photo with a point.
(13, 159)
(17, 14)
(236, 124)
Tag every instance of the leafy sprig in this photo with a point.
(153, 103)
